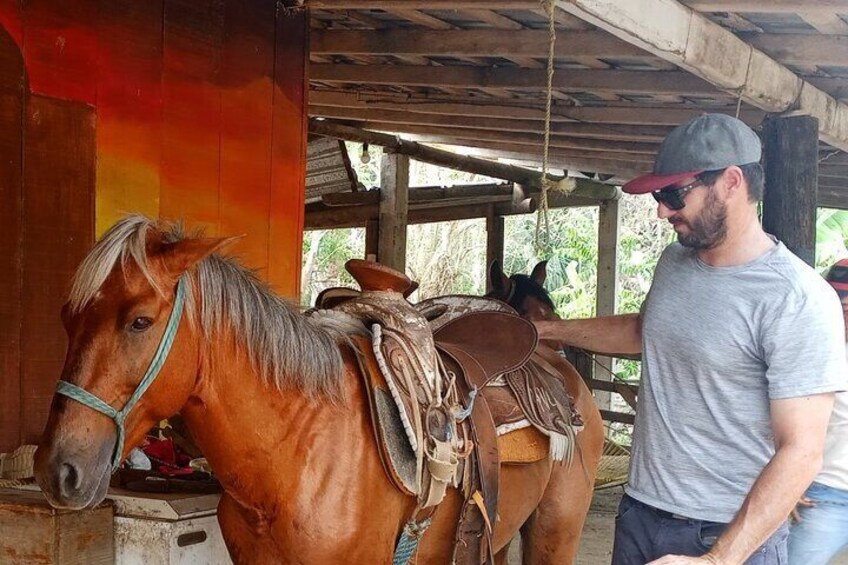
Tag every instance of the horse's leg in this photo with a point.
(552, 533)
(243, 543)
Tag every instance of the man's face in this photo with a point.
(702, 222)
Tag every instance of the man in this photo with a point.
(742, 350)
(821, 528)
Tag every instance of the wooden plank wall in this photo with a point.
(171, 108)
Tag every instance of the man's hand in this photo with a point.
(803, 502)
(684, 560)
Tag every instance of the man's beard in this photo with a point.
(709, 229)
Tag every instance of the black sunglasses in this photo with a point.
(672, 197)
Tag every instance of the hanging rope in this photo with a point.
(566, 184)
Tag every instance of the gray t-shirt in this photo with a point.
(717, 345)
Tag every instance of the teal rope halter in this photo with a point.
(119, 416)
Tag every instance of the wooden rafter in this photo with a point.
(770, 6)
(798, 49)
(422, 4)
(472, 43)
(620, 132)
(616, 82)
(704, 48)
(494, 19)
(826, 23)
(472, 107)
(533, 140)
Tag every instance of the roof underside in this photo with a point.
(476, 77)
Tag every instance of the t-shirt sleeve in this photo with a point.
(804, 345)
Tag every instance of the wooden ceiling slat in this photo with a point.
(420, 18)
(829, 24)
(612, 81)
(534, 140)
(471, 107)
(770, 6)
(423, 4)
(798, 49)
(619, 132)
(494, 19)
(473, 43)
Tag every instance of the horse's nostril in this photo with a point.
(69, 479)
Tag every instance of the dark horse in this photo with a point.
(276, 404)
(524, 293)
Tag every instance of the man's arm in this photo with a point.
(799, 426)
(609, 334)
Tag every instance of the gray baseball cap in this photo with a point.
(709, 142)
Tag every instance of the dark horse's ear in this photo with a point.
(500, 282)
(540, 273)
(180, 256)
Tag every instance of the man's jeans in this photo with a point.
(644, 533)
(823, 530)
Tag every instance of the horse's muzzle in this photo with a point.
(72, 481)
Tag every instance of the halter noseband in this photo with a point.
(119, 416)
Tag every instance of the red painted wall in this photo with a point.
(184, 109)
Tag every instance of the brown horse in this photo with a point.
(275, 403)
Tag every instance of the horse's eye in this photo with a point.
(140, 324)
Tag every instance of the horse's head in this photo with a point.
(524, 293)
(124, 310)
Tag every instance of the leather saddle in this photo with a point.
(457, 345)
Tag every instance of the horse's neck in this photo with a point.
(250, 431)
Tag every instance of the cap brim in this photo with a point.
(651, 182)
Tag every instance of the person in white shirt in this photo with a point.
(820, 531)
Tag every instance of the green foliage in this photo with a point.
(831, 235)
(450, 257)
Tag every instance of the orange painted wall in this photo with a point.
(200, 109)
(192, 110)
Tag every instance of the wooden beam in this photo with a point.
(828, 24)
(464, 76)
(585, 163)
(372, 239)
(420, 18)
(469, 106)
(525, 177)
(531, 139)
(702, 47)
(607, 293)
(394, 208)
(494, 19)
(422, 4)
(322, 217)
(530, 152)
(471, 43)
(769, 6)
(494, 241)
(791, 165)
(618, 132)
(799, 49)
(426, 195)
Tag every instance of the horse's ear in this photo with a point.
(500, 282)
(180, 256)
(540, 272)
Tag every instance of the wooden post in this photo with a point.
(394, 207)
(372, 239)
(605, 301)
(791, 165)
(494, 241)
